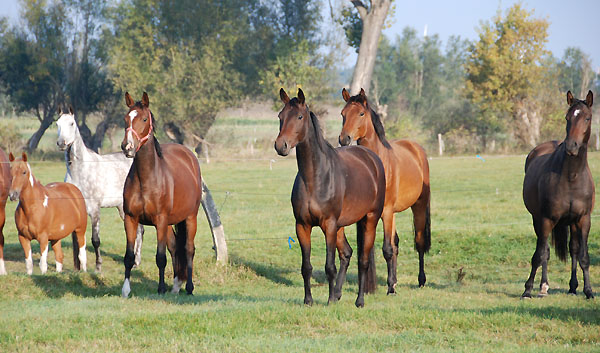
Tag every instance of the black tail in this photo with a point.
(180, 230)
(76, 263)
(560, 235)
(371, 285)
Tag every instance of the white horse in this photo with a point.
(100, 178)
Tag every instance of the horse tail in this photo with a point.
(560, 235)
(180, 230)
(76, 263)
(426, 230)
(371, 285)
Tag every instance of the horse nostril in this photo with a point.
(285, 145)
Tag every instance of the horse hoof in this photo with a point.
(572, 292)
(308, 301)
(391, 291)
(126, 289)
(98, 268)
(176, 285)
(360, 303)
(526, 296)
(589, 295)
(542, 295)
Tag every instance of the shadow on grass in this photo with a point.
(586, 316)
(272, 273)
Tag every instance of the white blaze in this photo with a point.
(132, 116)
(576, 112)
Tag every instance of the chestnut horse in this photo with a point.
(5, 181)
(163, 188)
(407, 179)
(333, 189)
(48, 214)
(559, 192)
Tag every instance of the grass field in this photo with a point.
(254, 303)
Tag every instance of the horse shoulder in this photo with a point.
(542, 149)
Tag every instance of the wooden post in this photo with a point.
(441, 144)
(216, 227)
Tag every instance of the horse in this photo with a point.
(5, 181)
(407, 179)
(333, 189)
(559, 192)
(163, 188)
(48, 214)
(100, 178)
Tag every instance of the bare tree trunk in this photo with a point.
(373, 19)
(34, 140)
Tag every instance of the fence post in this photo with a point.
(441, 144)
(216, 227)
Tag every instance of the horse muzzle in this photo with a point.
(62, 145)
(282, 147)
(345, 139)
(14, 195)
(572, 147)
(128, 149)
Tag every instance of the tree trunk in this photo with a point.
(373, 19)
(98, 138)
(34, 140)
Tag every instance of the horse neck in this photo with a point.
(76, 152)
(32, 196)
(572, 165)
(146, 162)
(372, 141)
(313, 160)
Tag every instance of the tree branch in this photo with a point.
(360, 7)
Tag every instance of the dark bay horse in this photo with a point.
(333, 189)
(163, 188)
(559, 192)
(48, 214)
(5, 181)
(407, 179)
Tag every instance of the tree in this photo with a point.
(32, 66)
(575, 72)
(506, 75)
(372, 15)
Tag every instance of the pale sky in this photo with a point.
(572, 23)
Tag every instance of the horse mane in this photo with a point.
(321, 141)
(375, 119)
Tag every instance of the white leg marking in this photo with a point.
(83, 258)
(176, 285)
(544, 289)
(44, 261)
(126, 289)
(58, 267)
(2, 268)
(29, 263)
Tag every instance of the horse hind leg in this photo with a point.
(58, 254)
(584, 258)
(2, 220)
(76, 261)
(574, 244)
(390, 250)
(96, 240)
(330, 229)
(422, 225)
(81, 252)
(138, 245)
(544, 286)
(365, 231)
(344, 253)
(542, 229)
(172, 247)
(188, 232)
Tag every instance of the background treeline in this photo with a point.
(503, 92)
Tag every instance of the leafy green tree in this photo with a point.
(575, 72)
(506, 75)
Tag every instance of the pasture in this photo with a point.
(482, 243)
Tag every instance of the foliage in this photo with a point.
(10, 138)
(506, 74)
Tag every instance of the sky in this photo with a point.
(572, 23)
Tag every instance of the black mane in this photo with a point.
(321, 141)
(377, 125)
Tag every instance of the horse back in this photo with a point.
(547, 147)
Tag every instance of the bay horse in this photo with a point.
(100, 178)
(163, 188)
(5, 181)
(47, 214)
(559, 192)
(333, 189)
(407, 179)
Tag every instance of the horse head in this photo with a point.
(293, 122)
(356, 116)
(579, 123)
(67, 129)
(139, 125)
(21, 175)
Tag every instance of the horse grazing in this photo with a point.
(163, 188)
(407, 179)
(333, 189)
(5, 181)
(48, 214)
(559, 192)
(100, 178)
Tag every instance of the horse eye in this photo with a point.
(300, 117)
(24, 172)
(362, 113)
(72, 124)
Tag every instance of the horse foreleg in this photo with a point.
(574, 244)
(190, 249)
(330, 230)
(542, 230)
(344, 253)
(365, 230)
(544, 286)
(26, 245)
(96, 239)
(390, 249)
(422, 223)
(584, 257)
(43, 240)
(172, 247)
(161, 256)
(129, 258)
(303, 234)
(58, 254)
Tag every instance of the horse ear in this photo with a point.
(301, 98)
(128, 100)
(59, 111)
(589, 99)
(145, 100)
(284, 96)
(345, 94)
(24, 156)
(362, 93)
(569, 98)
(71, 110)
(11, 157)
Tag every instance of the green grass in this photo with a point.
(254, 303)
